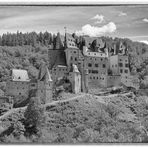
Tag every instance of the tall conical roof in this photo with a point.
(44, 73)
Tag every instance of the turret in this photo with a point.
(75, 79)
(44, 85)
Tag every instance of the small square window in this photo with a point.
(89, 65)
(96, 65)
(126, 71)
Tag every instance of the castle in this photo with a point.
(85, 62)
(97, 64)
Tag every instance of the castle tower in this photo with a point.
(75, 79)
(86, 80)
(44, 85)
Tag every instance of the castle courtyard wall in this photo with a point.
(17, 89)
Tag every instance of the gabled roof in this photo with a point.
(44, 73)
(20, 75)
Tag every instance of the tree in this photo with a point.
(34, 117)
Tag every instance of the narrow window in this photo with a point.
(120, 65)
(103, 65)
(126, 65)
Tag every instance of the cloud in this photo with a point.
(99, 18)
(144, 41)
(95, 31)
(122, 14)
(145, 20)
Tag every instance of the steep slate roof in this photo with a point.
(59, 41)
(44, 73)
(70, 41)
(88, 40)
(20, 75)
(60, 59)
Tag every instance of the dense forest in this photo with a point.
(32, 38)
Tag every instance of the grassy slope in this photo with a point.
(86, 120)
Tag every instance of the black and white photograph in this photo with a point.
(73, 74)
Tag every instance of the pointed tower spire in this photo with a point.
(44, 73)
(65, 42)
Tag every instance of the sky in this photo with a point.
(126, 21)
